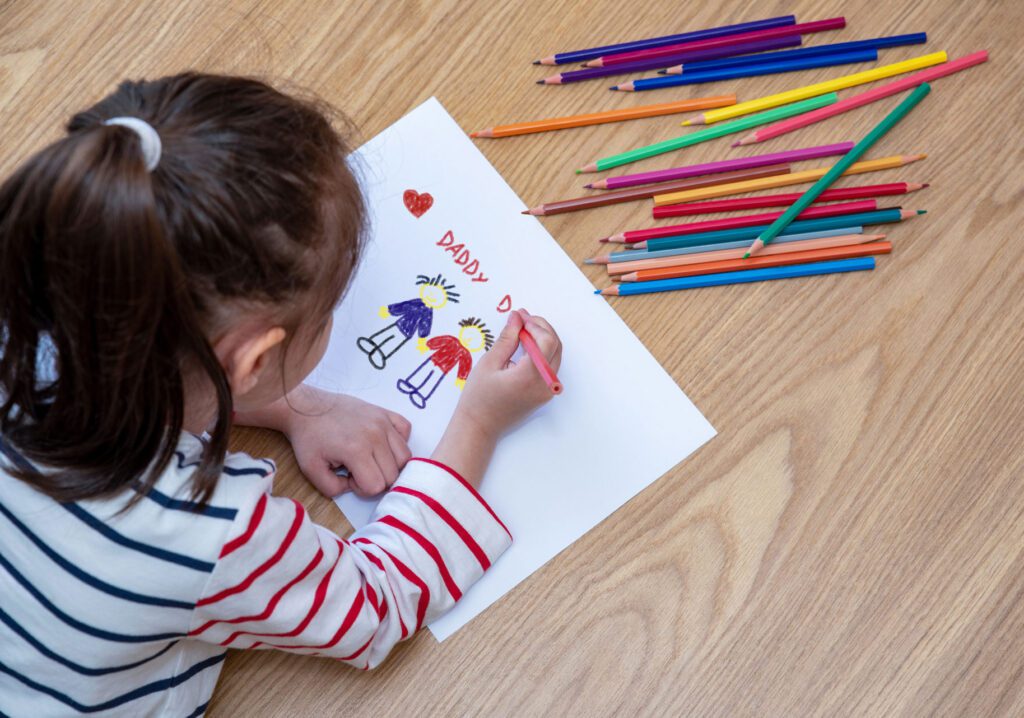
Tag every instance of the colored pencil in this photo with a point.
(864, 98)
(802, 257)
(876, 43)
(780, 260)
(647, 191)
(731, 73)
(709, 133)
(834, 85)
(784, 200)
(842, 166)
(633, 236)
(726, 251)
(860, 219)
(774, 158)
(803, 28)
(629, 256)
(707, 54)
(883, 163)
(598, 118)
(561, 58)
(539, 360)
(743, 277)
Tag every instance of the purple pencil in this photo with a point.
(710, 168)
(713, 53)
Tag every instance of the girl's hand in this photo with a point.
(498, 395)
(330, 430)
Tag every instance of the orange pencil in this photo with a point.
(599, 118)
(761, 260)
(539, 360)
(715, 255)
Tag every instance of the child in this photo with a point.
(169, 267)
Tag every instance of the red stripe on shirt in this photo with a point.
(458, 528)
(469, 487)
(380, 564)
(431, 550)
(350, 618)
(409, 575)
(272, 604)
(318, 600)
(265, 566)
(254, 522)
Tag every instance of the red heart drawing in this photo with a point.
(417, 203)
(505, 304)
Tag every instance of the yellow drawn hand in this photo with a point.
(459, 383)
(383, 313)
(421, 345)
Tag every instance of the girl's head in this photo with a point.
(123, 290)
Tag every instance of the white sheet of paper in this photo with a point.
(571, 464)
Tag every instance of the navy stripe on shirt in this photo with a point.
(192, 507)
(145, 690)
(76, 667)
(94, 523)
(89, 579)
(75, 623)
(198, 711)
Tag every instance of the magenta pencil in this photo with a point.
(708, 168)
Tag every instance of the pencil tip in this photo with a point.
(747, 255)
(589, 260)
(539, 82)
(588, 185)
(926, 184)
(603, 240)
(579, 172)
(614, 87)
(922, 211)
(474, 134)
(685, 123)
(525, 211)
(597, 291)
(536, 62)
(662, 72)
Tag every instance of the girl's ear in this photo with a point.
(243, 362)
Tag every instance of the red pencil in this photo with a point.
(539, 360)
(784, 200)
(749, 220)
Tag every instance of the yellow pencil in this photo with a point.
(821, 88)
(701, 193)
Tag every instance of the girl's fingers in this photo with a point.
(367, 479)
(400, 423)
(326, 481)
(399, 449)
(387, 463)
(506, 343)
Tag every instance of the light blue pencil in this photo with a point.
(629, 256)
(745, 276)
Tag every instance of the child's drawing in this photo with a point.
(417, 203)
(449, 352)
(413, 316)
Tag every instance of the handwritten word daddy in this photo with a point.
(462, 257)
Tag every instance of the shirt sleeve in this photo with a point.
(284, 582)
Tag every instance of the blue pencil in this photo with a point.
(836, 266)
(629, 256)
(592, 52)
(876, 43)
(730, 73)
(878, 216)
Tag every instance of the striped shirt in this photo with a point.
(132, 613)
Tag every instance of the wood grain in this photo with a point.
(852, 543)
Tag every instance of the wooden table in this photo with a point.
(852, 543)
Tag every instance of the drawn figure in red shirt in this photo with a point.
(449, 353)
(413, 316)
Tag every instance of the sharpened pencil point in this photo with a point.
(926, 184)
(747, 255)
(603, 240)
(536, 62)
(588, 185)
(589, 260)
(474, 134)
(525, 211)
(614, 87)
(662, 72)
(685, 123)
(579, 172)
(597, 291)
(539, 82)
(922, 211)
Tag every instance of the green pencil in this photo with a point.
(727, 128)
(890, 121)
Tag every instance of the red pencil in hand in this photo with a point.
(539, 360)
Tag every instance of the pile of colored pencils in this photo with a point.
(818, 231)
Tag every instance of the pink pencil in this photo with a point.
(709, 168)
(863, 98)
(539, 360)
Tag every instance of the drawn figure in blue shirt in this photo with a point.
(412, 317)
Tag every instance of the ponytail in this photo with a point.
(88, 271)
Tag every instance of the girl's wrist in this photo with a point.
(466, 447)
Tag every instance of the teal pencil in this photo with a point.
(887, 123)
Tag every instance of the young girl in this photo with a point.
(167, 269)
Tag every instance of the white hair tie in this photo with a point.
(151, 145)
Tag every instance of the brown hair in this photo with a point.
(121, 273)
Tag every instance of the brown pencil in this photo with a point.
(647, 191)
